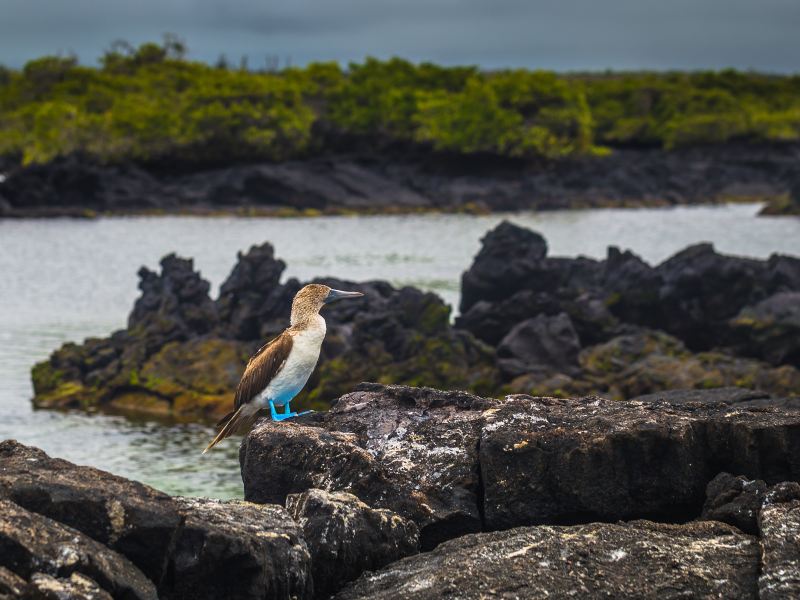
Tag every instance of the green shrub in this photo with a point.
(149, 103)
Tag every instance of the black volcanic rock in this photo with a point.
(252, 296)
(46, 553)
(729, 313)
(410, 181)
(458, 463)
(626, 560)
(132, 519)
(507, 259)
(183, 353)
(69, 185)
(411, 450)
(734, 500)
(779, 526)
(505, 496)
(237, 550)
(178, 543)
(771, 328)
(546, 460)
(174, 304)
(540, 344)
(701, 290)
(346, 537)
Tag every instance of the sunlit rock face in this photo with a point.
(456, 463)
(625, 560)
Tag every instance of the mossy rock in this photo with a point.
(140, 403)
(46, 378)
(785, 204)
(203, 406)
(208, 366)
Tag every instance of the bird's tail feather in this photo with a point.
(240, 420)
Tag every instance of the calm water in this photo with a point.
(64, 280)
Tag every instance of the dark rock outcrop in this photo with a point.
(529, 324)
(628, 177)
(540, 344)
(621, 327)
(771, 328)
(517, 497)
(346, 537)
(456, 463)
(183, 353)
(174, 304)
(237, 550)
(734, 500)
(50, 556)
(740, 501)
(551, 460)
(411, 450)
(627, 560)
(186, 548)
(76, 185)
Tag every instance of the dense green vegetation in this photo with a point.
(150, 103)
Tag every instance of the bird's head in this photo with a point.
(311, 298)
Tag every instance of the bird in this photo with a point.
(280, 368)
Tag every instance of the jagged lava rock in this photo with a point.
(646, 361)
(183, 354)
(174, 303)
(31, 545)
(411, 450)
(627, 560)
(346, 537)
(506, 260)
(178, 543)
(706, 299)
(251, 299)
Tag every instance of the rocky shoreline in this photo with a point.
(402, 182)
(529, 323)
(401, 492)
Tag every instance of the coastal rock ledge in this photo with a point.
(402, 492)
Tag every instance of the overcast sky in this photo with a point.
(553, 34)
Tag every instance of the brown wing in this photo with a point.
(262, 368)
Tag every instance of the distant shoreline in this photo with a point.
(407, 183)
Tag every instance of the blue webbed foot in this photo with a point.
(286, 414)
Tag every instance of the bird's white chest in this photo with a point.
(300, 363)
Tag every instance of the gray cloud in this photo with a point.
(556, 34)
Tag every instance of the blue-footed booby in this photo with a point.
(279, 369)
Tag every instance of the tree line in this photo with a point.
(150, 104)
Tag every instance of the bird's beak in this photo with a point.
(334, 295)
